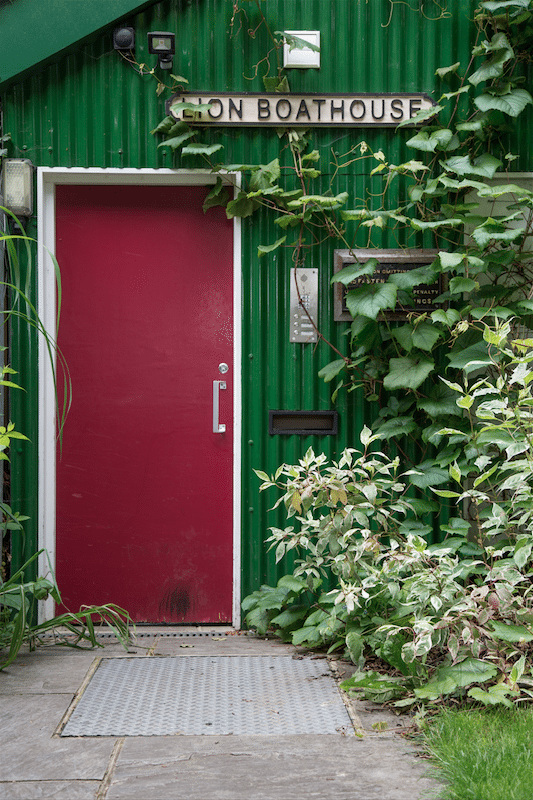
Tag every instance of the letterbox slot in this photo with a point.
(304, 423)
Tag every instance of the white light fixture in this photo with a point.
(17, 186)
(304, 58)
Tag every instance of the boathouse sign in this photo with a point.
(306, 110)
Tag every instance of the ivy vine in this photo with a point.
(458, 195)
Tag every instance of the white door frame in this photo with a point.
(47, 179)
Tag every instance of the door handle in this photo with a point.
(217, 427)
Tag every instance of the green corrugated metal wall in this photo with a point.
(92, 109)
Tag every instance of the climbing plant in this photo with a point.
(449, 385)
(457, 197)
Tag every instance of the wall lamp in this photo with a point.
(163, 45)
(124, 39)
(17, 186)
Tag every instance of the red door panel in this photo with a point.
(144, 486)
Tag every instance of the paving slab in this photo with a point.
(267, 768)
(29, 753)
(220, 644)
(61, 672)
(49, 790)
(40, 686)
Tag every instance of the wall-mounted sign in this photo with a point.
(390, 261)
(340, 110)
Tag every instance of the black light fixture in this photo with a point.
(163, 45)
(124, 39)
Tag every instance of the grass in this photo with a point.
(482, 754)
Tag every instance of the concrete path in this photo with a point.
(37, 691)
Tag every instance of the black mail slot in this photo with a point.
(305, 423)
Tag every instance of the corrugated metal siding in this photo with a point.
(91, 108)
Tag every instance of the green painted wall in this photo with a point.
(92, 108)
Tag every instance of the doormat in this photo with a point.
(209, 695)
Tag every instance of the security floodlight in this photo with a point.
(163, 45)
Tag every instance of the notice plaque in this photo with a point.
(306, 110)
(389, 261)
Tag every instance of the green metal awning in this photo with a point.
(34, 34)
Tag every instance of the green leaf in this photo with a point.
(485, 165)
(476, 353)
(408, 372)
(421, 116)
(356, 646)
(447, 679)
(504, 188)
(496, 695)
(512, 103)
(399, 426)
(459, 285)
(445, 493)
(164, 126)
(176, 141)
(290, 616)
(283, 86)
(196, 109)
(440, 402)
(368, 300)
(404, 336)
(422, 506)
(502, 52)
(447, 316)
(198, 149)
(425, 336)
(268, 248)
(324, 201)
(442, 139)
(414, 277)
(306, 635)
(265, 175)
(293, 583)
(262, 475)
(443, 71)
(510, 633)
(427, 474)
(242, 206)
(375, 687)
(422, 225)
(391, 652)
(270, 82)
(491, 230)
(332, 369)
(296, 42)
(218, 196)
(353, 271)
(504, 5)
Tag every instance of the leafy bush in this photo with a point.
(451, 619)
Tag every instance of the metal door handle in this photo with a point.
(217, 427)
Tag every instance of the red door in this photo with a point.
(144, 485)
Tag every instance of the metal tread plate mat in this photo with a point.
(209, 695)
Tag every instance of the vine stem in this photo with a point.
(276, 43)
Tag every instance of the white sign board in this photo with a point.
(306, 110)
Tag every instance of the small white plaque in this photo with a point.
(304, 58)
